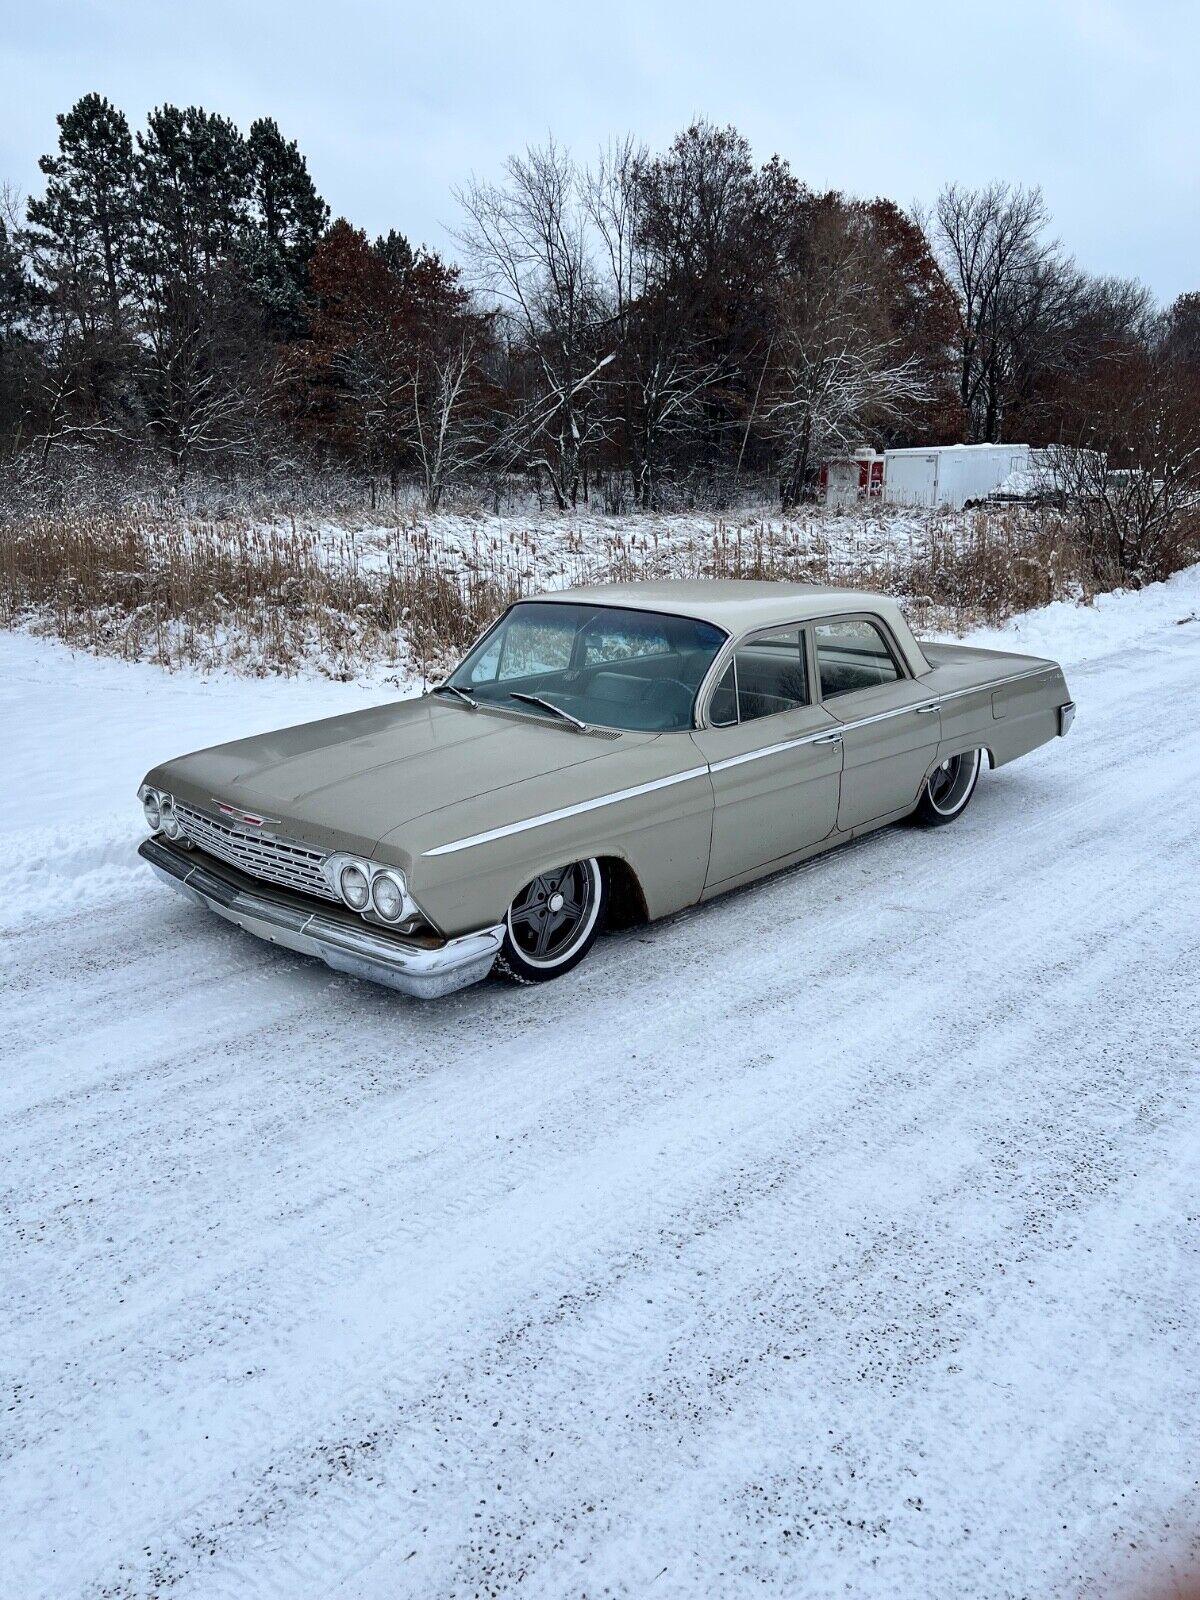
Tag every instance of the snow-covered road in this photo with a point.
(839, 1237)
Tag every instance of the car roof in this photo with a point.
(734, 604)
(740, 605)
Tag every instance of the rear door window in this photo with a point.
(852, 655)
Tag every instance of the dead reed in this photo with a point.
(279, 597)
(951, 573)
(257, 599)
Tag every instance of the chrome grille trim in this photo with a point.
(286, 862)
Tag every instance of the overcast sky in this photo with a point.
(1096, 100)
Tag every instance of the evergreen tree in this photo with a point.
(83, 227)
(16, 291)
(289, 217)
(194, 172)
(18, 353)
(395, 252)
(204, 357)
(290, 213)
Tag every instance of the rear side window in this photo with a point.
(852, 655)
(771, 674)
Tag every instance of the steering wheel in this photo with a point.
(659, 697)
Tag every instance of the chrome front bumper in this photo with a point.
(362, 952)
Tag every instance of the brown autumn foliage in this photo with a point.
(370, 381)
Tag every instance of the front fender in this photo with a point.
(465, 871)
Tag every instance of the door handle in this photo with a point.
(923, 711)
(829, 738)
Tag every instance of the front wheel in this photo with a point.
(553, 922)
(948, 789)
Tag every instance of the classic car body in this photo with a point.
(731, 729)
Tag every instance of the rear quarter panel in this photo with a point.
(1007, 704)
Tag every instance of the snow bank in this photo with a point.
(1074, 634)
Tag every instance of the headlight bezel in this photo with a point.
(389, 878)
(407, 910)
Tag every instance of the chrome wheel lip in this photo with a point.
(964, 773)
(583, 929)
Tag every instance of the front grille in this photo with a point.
(283, 861)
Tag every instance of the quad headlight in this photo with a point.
(388, 895)
(167, 818)
(152, 806)
(354, 886)
(369, 888)
(159, 810)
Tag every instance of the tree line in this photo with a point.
(649, 326)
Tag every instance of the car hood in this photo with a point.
(346, 781)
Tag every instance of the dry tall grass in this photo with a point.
(157, 587)
(154, 588)
(952, 573)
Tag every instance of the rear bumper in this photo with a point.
(422, 971)
(1066, 716)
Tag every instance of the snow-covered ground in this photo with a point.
(552, 548)
(839, 1237)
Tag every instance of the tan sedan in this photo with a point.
(601, 755)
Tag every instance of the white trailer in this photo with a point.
(952, 475)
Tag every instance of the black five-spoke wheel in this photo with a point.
(948, 788)
(553, 921)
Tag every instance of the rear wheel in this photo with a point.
(948, 789)
(553, 922)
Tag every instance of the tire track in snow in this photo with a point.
(312, 1165)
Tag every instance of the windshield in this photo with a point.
(599, 664)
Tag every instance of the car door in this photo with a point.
(890, 726)
(774, 755)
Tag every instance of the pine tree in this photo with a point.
(203, 351)
(290, 212)
(18, 353)
(289, 217)
(83, 227)
(16, 291)
(395, 252)
(194, 171)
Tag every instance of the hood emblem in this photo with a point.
(250, 819)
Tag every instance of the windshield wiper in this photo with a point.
(452, 688)
(537, 700)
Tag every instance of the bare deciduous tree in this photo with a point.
(1132, 473)
(528, 247)
(1007, 275)
(837, 369)
(445, 438)
(662, 373)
